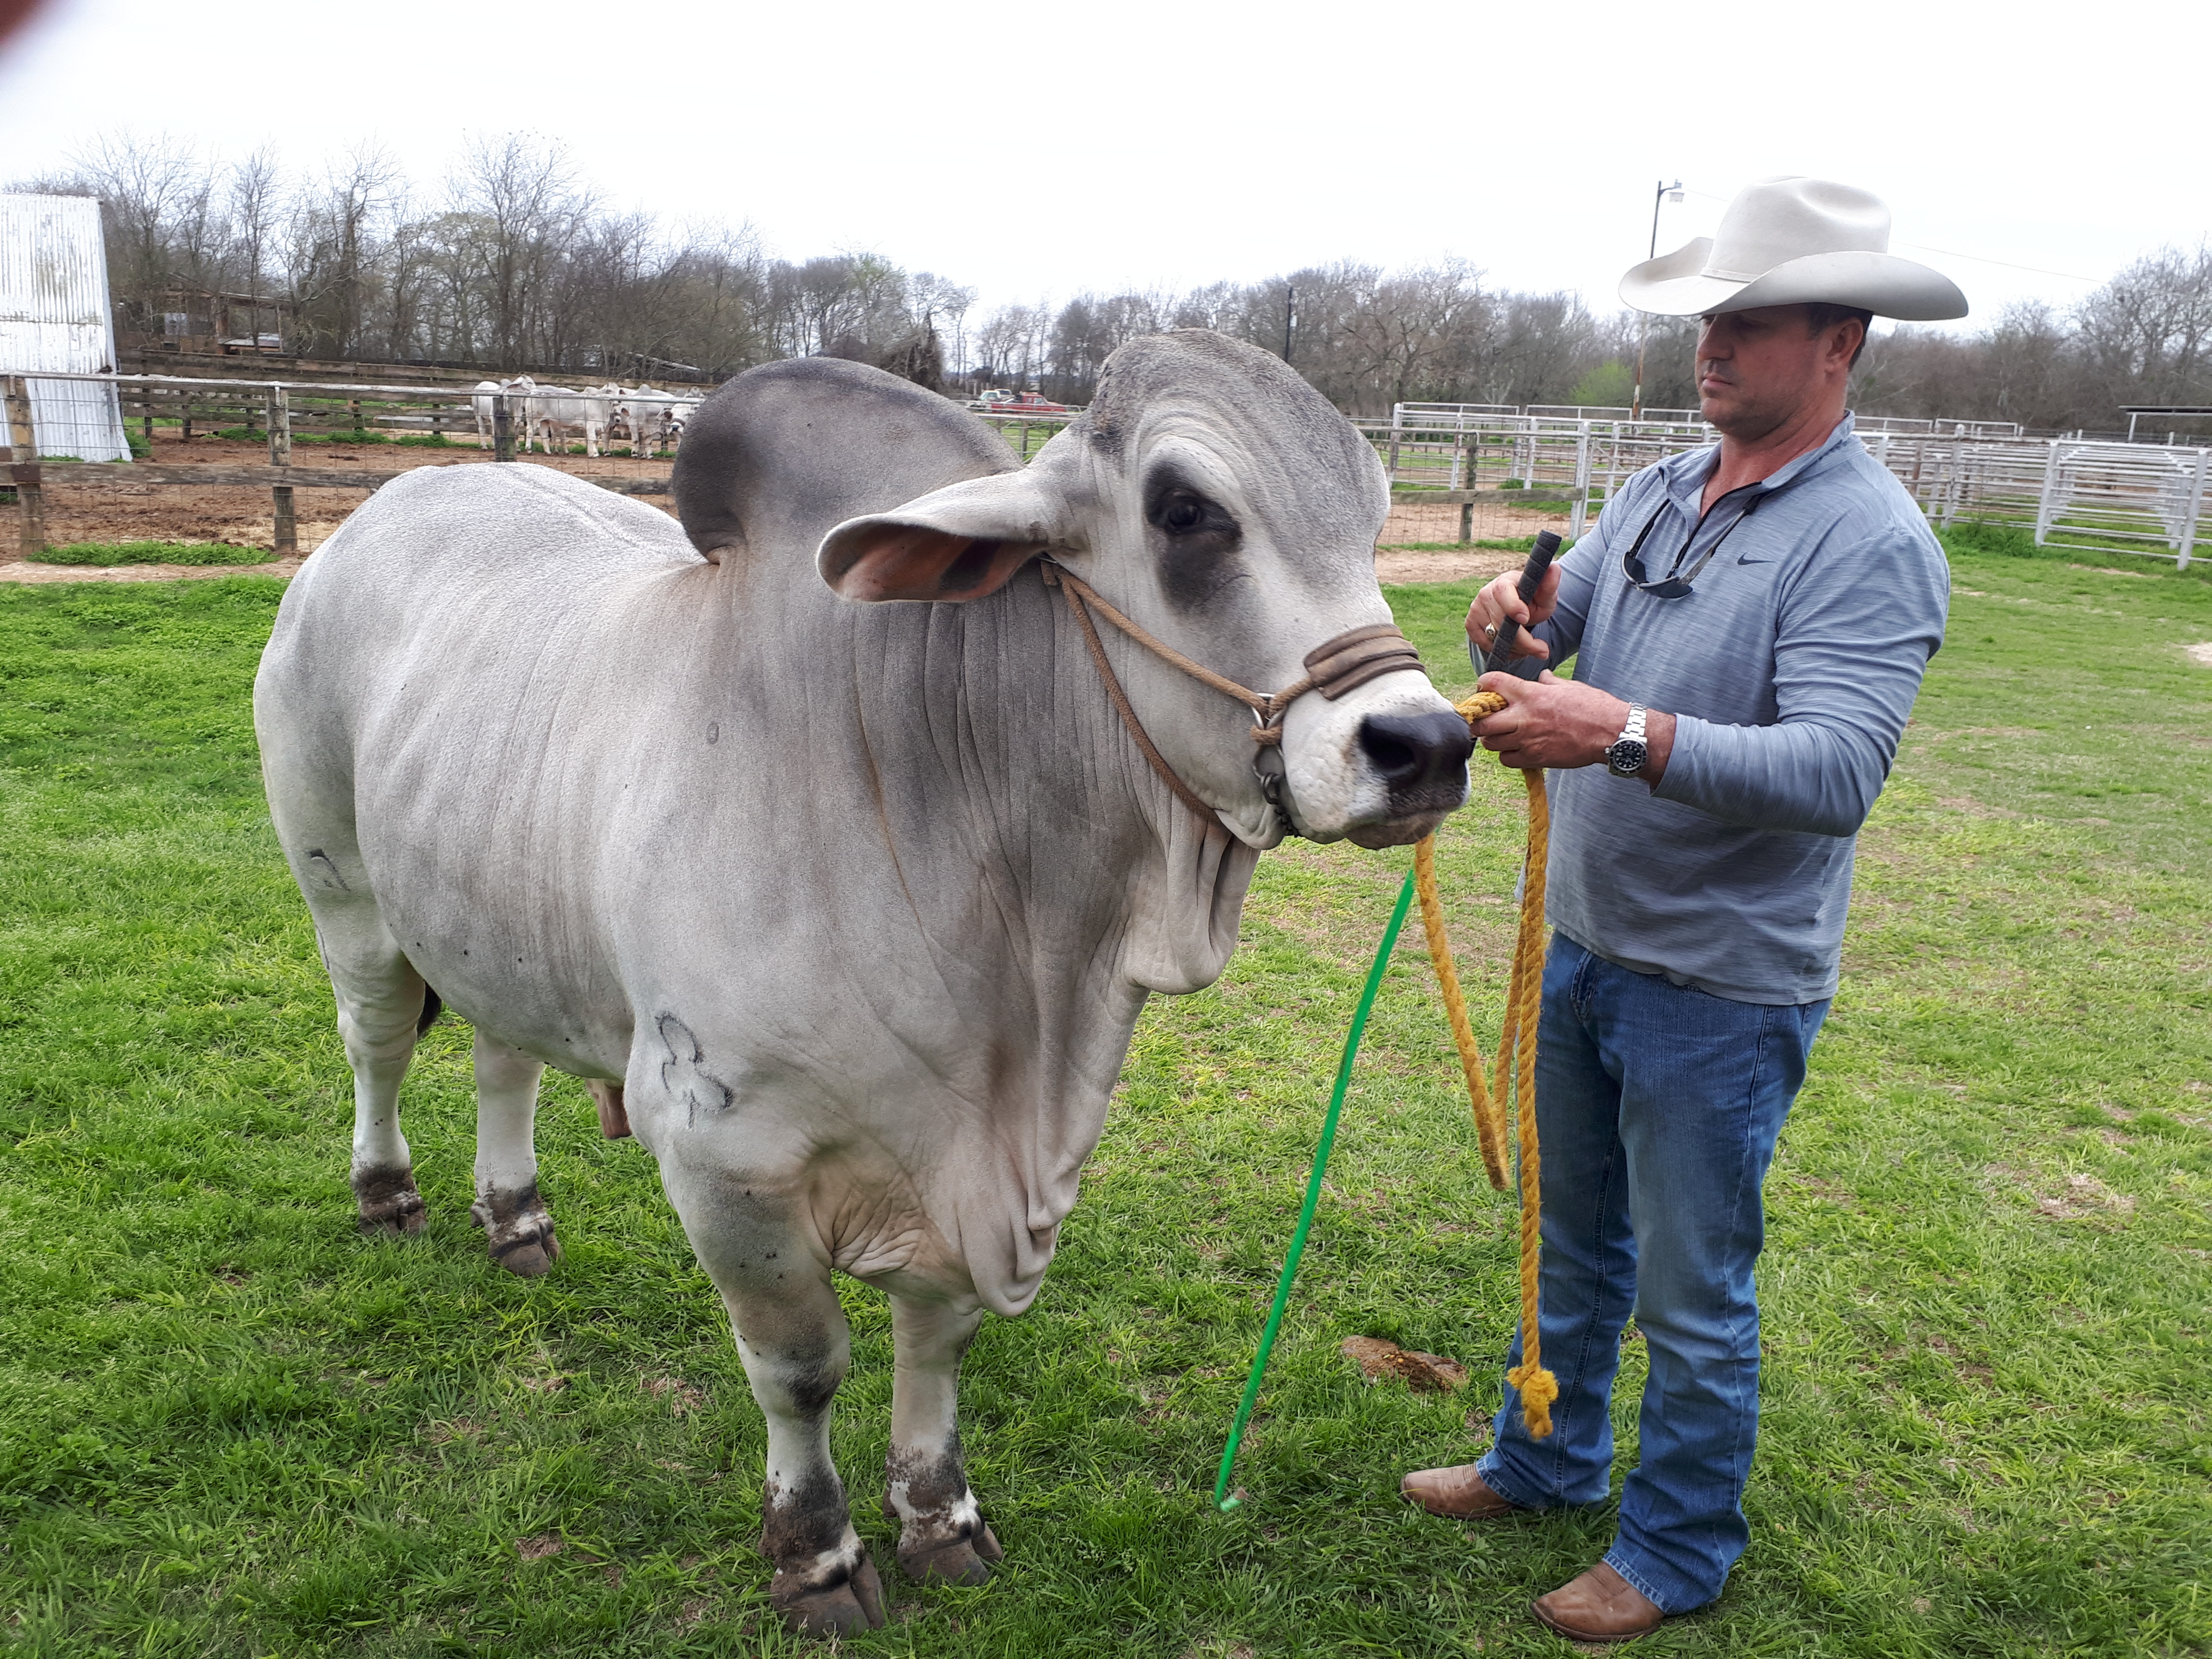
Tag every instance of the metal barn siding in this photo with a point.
(54, 316)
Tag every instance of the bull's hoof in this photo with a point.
(518, 1230)
(954, 1560)
(529, 1258)
(388, 1203)
(841, 1609)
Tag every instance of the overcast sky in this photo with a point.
(1037, 151)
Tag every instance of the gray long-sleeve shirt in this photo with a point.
(1791, 666)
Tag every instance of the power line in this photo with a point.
(1983, 259)
(1954, 254)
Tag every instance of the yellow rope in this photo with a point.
(1516, 1061)
(1489, 1121)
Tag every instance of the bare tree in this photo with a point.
(254, 200)
(1011, 344)
(518, 266)
(2147, 335)
(518, 202)
(157, 199)
(334, 256)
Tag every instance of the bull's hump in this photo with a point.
(781, 455)
(534, 511)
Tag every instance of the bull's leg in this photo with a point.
(792, 1338)
(507, 1207)
(942, 1533)
(383, 1003)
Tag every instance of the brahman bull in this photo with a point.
(645, 412)
(555, 412)
(818, 843)
(486, 404)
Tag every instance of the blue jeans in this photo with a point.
(1657, 1109)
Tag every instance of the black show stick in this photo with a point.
(1532, 578)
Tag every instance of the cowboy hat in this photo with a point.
(1790, 242)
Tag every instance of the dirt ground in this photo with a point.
(1394, 565)
(19, 570)
(1411, 521)
(243, 515)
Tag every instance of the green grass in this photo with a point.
(228, 1426)
(110, 553)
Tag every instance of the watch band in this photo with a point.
(1625, 756)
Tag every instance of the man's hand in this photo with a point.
(1501, 598)
(1558, 723)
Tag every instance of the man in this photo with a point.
(1749, 624)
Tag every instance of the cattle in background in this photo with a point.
(646, 413)
(518, 407)
(681, 414)
(555, 412)
(808, 834)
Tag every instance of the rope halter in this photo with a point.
(1337, 665)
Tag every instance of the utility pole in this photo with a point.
(1665, 192)
(1290, 310)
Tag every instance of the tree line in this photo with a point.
(511, 261)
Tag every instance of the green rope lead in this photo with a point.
(1222, 1500)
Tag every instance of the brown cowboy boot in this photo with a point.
(1459, 1492)
(1601, 1606)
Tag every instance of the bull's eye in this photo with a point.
(1189, 517)
(1195, 538)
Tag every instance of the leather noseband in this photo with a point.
(1333, 667)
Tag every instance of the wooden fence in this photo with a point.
(277, 411)
(2097, 496)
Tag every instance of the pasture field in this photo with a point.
(230, 1426)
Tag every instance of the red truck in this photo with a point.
(1004, 402)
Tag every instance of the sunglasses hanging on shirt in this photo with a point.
(1673, 586)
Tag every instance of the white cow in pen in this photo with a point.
(646, 412)
(484, 401)
(555, 412)
(809, 833)
(681, 414)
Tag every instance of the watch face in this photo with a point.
(1626, 756)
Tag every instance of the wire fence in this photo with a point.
(317, 436)
(2091, 494)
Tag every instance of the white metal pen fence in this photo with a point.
(2088, 495)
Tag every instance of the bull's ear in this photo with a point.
(958, 543)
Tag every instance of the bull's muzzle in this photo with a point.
(1420, 756)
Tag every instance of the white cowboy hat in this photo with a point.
(1791, 241)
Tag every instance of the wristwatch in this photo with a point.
(1625, 756)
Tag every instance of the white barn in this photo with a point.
(54, 317)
